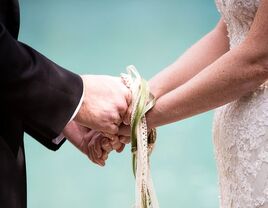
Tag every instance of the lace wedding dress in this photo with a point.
(240, 128)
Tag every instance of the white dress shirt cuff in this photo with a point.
(59, 138)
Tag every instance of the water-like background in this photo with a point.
(103, 37)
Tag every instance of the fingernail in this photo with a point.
(126, 122)
(100, 164)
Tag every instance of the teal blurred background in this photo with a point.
(103, 37)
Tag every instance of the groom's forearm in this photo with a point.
(204, 52)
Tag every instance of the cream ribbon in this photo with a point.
(142, 101)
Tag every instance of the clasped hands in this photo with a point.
(105, 107)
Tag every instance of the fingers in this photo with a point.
(127, 92)
(82, 139)
(123, 107)
(95, 151)
(111, 129)
(100, 146)
(104, 104)
(128, 97)
(127, 117)
(124, 139)
(87, 137)
(116, 119)
(116, 144)
(104, 156)
(74, 131)
(119, 150)
(124, 130)
(106, 146)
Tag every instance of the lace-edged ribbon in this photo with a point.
(142, 142)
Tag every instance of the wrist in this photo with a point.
(81, 109)
(155, 90)
(156, 116)
(79, 117)
(150, 119)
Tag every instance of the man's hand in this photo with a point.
(75, 133)
(105, 103)
(84, 138)
(96, 145)
(100, 146)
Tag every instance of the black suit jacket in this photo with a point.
(36, 96)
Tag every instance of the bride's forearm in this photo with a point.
(234, 74)
(200, 55)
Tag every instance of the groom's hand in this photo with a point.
(105, 103)
(100, 146)
(89, 142)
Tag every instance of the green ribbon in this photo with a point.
(145, 101)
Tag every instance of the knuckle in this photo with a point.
(122, 106)
(115, 117)
(128, 94)
(110, 116)
(90, 158)
(114, 129)
(110, 128)
(90, 146)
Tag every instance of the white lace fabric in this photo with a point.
(238, 16)
(240, 129)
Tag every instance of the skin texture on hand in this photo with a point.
(84, 138)
(105, 103)
(94, 129)
(75, 133)
(100, 146)
(95, 144)
(197, 84)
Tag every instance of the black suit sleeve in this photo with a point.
(42, 93)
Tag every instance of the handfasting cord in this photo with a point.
(142, 142)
